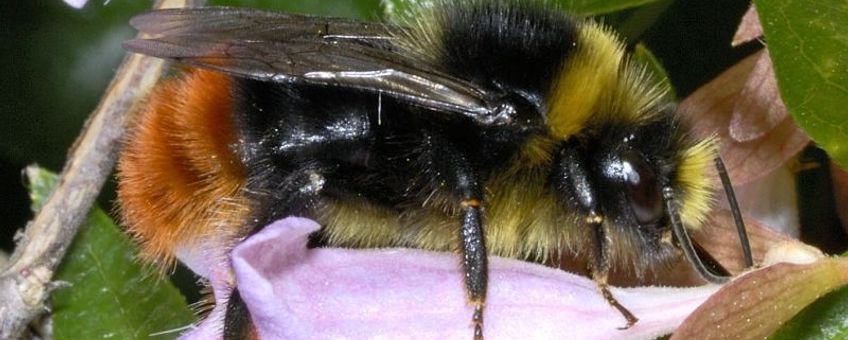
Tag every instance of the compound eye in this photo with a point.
(641, 189)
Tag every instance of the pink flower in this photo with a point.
(293, 292)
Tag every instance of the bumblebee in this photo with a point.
(483, 128)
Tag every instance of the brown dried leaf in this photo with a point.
(754, 305)
(709, 111)
(758, 109)
(752, 160)
(749, 29)
(719, 238)
(772, 200)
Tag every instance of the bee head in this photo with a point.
(618, 172)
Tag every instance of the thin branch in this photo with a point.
(26, 282)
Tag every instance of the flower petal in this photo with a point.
(293, 292)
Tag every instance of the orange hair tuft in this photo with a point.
(179, 177)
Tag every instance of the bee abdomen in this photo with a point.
(179, 178)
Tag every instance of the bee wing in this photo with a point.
(250, 24)
(282, 47)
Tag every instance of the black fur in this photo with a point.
(305, 144)
(519, 45)
(376, 147)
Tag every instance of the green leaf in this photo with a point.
(809, 48)
(644, 56)
(580, 7)
(824, 319)
(110, 294)
(632, 23)
(595, 7)
(401, 8)
(41, 184)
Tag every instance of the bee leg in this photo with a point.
(237, 323)
(283, 195)
(600, 266)
(574, 183)
(452, 174)
(474, 261)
